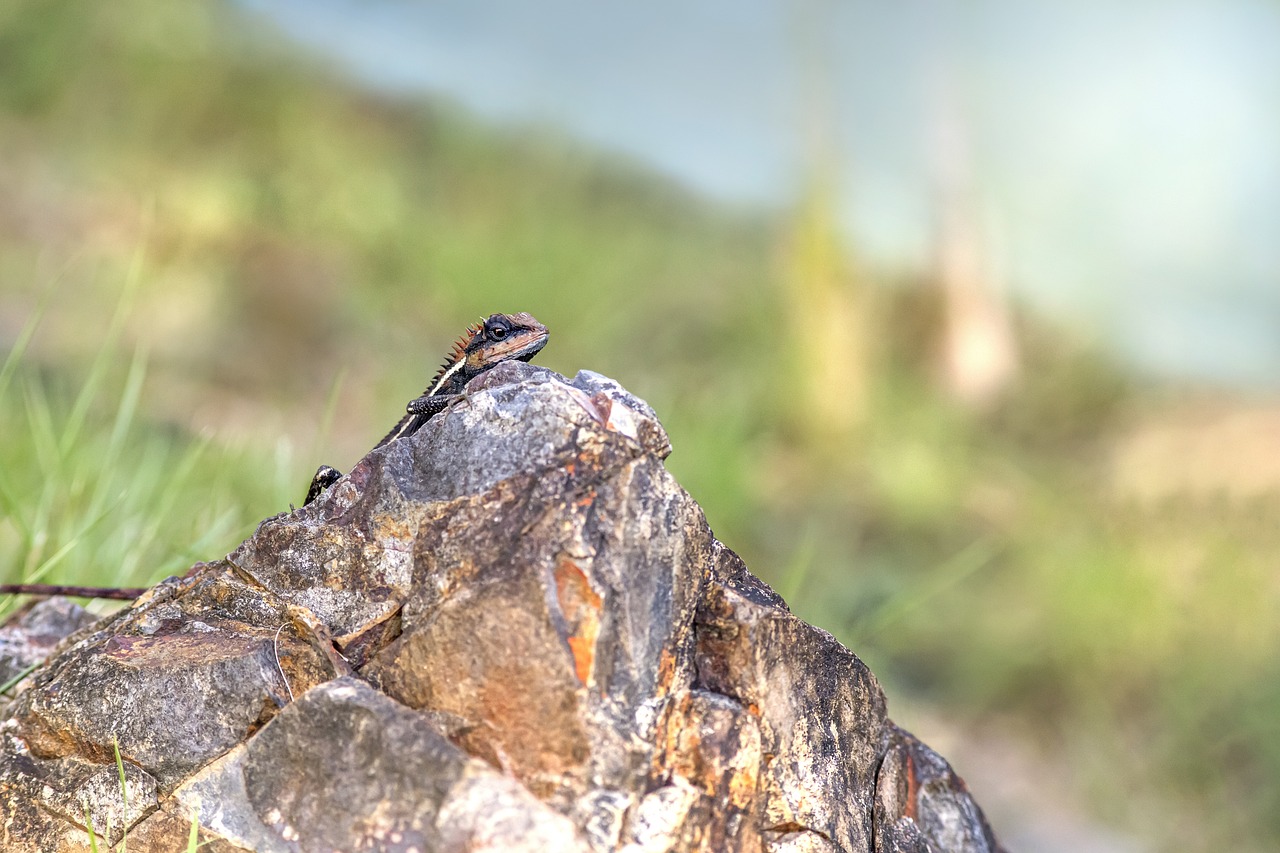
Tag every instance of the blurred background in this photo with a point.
(964, 319)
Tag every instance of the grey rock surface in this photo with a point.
(32, 632)
(511, 631)
(321, 776)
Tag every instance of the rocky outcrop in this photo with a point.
(513, 631)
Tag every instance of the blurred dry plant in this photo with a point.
(979, 352)
(826, 302)
(827, 328)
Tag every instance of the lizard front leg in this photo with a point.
(432, 404)
(323, 479)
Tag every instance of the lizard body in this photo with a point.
(485, 345)
(502, 337)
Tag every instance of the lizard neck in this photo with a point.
(451, 379)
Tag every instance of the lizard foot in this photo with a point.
(323, 479)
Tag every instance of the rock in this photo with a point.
(177, 679)
(820, 711)
(32, 632)
(919, 796)
(345, 767)
(59, 795)
(510, 631)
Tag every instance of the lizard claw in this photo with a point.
(461, 399)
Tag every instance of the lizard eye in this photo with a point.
(497, 333)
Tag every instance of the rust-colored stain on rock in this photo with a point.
(912, 807)
(174, 649)
(580, 605)
(666, 670)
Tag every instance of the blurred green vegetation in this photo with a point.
(212, 246)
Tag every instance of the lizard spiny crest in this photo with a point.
(459, 350)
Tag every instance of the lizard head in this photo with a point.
(504, 337)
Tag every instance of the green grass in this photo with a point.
(193, 836)
(92, 493)
(93, 835)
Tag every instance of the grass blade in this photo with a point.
(194, 838)
(124, 795)
(18, 349)
(960, 566)
(13, 682)
(88, 823)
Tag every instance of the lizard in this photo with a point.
(484, 345)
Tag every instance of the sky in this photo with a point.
(1122, 156)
